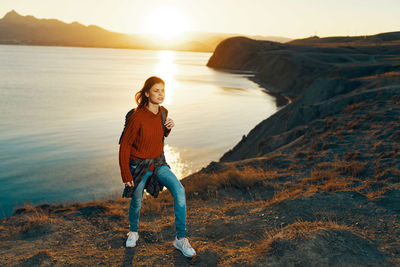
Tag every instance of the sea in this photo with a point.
(62, 110)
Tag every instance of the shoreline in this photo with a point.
(281, 98)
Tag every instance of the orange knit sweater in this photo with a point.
(142, 139)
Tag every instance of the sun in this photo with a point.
(166, 22)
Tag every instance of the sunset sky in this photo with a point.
(289, 18)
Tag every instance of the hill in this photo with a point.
(365, 40)
(315, 184)
(28, 30)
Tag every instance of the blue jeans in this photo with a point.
(169, 180)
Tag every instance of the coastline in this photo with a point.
(319, 175)
(281, 98)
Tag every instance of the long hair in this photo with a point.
(140, 97)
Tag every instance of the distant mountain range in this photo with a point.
(28, 30)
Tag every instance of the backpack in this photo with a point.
(129, 114)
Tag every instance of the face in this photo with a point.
(156, 93)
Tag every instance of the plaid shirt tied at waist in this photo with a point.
(153, 186)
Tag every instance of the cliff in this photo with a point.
(321, 81)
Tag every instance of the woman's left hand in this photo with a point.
(169, 123)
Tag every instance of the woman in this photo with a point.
(141, 156)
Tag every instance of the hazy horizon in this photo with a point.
(289, 18)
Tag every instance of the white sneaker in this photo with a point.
(184, 246)
(132, 238)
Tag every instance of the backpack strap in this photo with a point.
(130, 112)
(163, 118)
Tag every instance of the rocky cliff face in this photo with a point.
(322, 81)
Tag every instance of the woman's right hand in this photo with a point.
(130, 183)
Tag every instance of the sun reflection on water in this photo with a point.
(173, 158)
(166, 70)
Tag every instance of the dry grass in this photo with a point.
(304, 229)
(319, 175)
(210, 183)
(338, 175)
(389, 74)
(39, 217)
(352, 155)
(327, 180)
(207, 186)
(354, 168)
(288, 193)
(157, 205)
(35, 221)
(390, 174)
(354, 106)
(372, 194)
(352, 125)
(298, 230)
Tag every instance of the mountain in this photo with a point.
(28, 30)
(17, 29)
